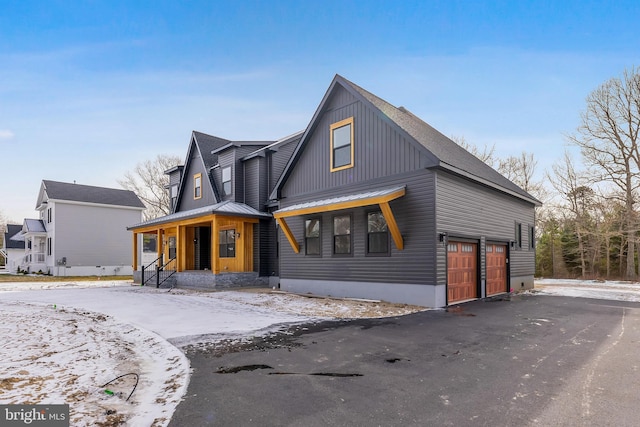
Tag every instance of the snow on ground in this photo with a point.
(62, 342)
(66, 340)
(598, 289)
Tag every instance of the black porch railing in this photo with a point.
(158, 273)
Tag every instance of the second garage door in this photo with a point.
(496, 268)
(462, 281)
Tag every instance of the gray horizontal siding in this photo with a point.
(414, 214)
(466, 209)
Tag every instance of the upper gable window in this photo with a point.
(226, 181)
(197, 186)
(342, 144)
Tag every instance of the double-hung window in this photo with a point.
(341, 145)
(377, 234)
(342, 235)
(197, 186)
(226, 181)
(227, 243)
(312, 236)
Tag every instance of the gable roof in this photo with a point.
(443, 152)
(87, 194)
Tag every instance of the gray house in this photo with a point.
(81, 230)
(369, 201)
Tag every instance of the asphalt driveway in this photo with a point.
(524, 360)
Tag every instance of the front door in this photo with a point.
(462, 271)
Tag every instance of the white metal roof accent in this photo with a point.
(33, 226)
(225, 207)
(341, 199)
(18, 237)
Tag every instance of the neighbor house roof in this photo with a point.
(442, 151)
(88, 194)
(33, 226)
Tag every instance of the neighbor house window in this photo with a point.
(49, 246)
(49, 215)
(312, 236)
(518, 236)
(197, 186)
(226, 181)
(377, 234)
(341, 135)
(342, 235)
(227, 243)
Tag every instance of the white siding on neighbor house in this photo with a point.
(90, 235)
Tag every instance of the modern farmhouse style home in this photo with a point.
(368, 201)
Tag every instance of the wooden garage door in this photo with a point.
(496, 269)
(462, 282)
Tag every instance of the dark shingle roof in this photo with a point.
(207, 144)
(12, 230)
(90, 194)
(448, 152)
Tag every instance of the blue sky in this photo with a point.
(89, 89)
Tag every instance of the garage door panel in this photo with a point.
(496, 258)
(462, 271)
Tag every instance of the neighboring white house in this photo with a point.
(82, 231)
(12, 247)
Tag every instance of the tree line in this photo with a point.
(588, 226)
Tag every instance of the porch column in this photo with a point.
(215, 247)
(180, 250)
(159, 244)
(135, 251)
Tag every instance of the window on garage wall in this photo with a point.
(377, 234)
(342, 235)
(312, 236)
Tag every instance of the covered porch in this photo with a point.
(207, 248)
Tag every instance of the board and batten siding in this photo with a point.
(468, 209)
(187, 201)
(379, 150)
(93, 235)
(414, 214)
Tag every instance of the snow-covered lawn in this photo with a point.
(63, 341)
(598, 289)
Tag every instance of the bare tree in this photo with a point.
(487, 154)
(149, 182)
(608, 139)
(577, 196)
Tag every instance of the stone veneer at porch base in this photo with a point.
(415, 294)
(207, 280)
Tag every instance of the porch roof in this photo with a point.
(33, 226)
(341, 202)
(226, 207)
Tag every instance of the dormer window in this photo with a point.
(174, 195)
(197, 186)
(226, 181)
(341, 134)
